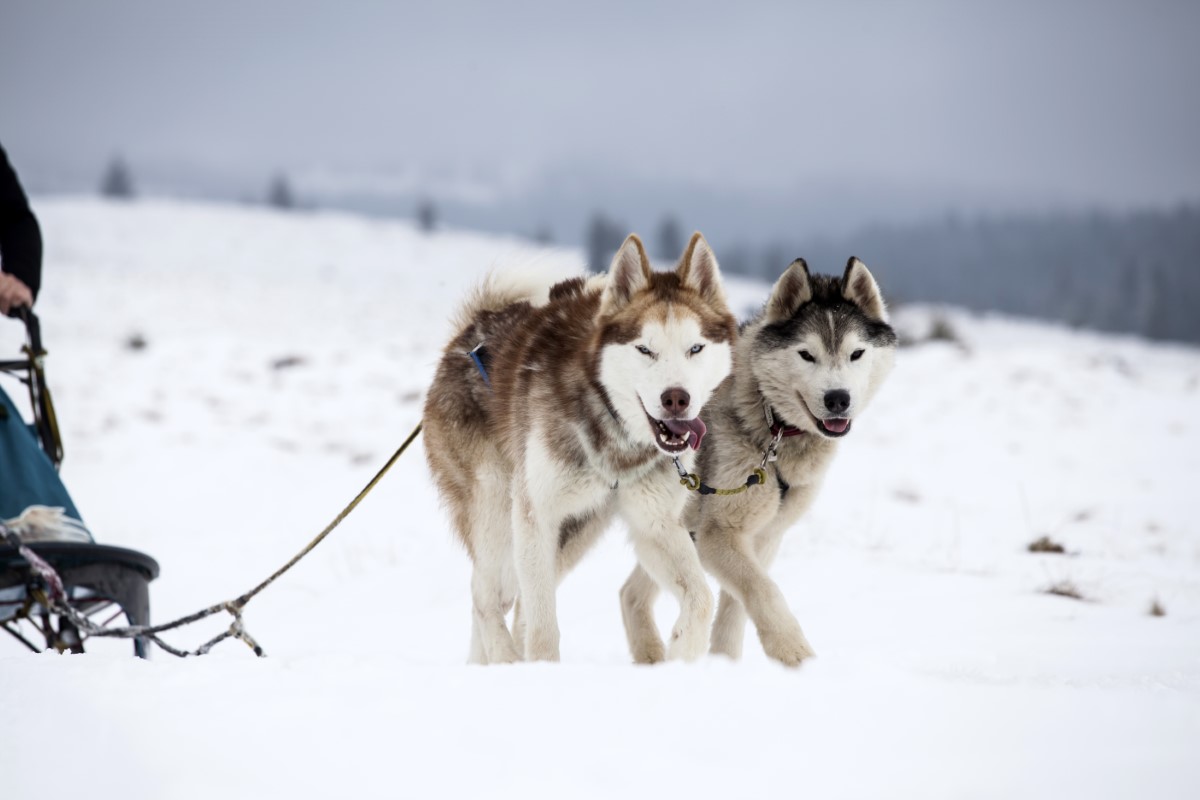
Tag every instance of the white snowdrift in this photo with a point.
(944, 670)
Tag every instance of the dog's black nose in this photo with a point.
(837, 401)
(675, 401)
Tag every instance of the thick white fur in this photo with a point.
(501, 288)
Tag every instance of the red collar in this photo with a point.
(778, 427)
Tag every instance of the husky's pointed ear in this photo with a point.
(629, 274)
(792, 290)
(698, 269)
(860, 288)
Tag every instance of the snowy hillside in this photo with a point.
(228, 378)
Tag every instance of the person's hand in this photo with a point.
(13, 293)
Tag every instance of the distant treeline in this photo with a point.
(1137, 272)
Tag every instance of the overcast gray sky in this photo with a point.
(1080, 102)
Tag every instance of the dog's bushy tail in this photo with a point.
(501, 289)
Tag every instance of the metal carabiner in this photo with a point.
(772, 453)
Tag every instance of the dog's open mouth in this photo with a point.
(835, 427)
(676, 435)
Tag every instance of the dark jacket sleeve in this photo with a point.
(20, 236)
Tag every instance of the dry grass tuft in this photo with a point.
(1046, 545)
(1157, 609)
(1064, 588)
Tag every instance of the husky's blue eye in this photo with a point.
(807, 356)
(856, 355)
(641, 348)
(696, 348)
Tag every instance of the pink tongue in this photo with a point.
(835, 425)
(681, 426)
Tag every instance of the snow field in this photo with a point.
(286, 357)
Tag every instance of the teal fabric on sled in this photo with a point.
(27, 476)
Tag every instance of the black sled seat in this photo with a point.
(96, 577)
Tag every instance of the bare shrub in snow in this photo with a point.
(1064, 588)
(1046, 545)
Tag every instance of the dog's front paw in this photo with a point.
(504, 654)
(788, 647)
(542, 646)
(650, 651)
(688, 645)
(728, 647)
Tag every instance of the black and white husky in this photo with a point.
(803, 371)
(591, 390)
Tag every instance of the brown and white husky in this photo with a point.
(550, 415)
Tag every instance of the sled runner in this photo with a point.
(103, 583)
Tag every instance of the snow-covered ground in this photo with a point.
(944, 669)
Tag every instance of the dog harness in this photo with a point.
(779, 429)
(478, 354)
